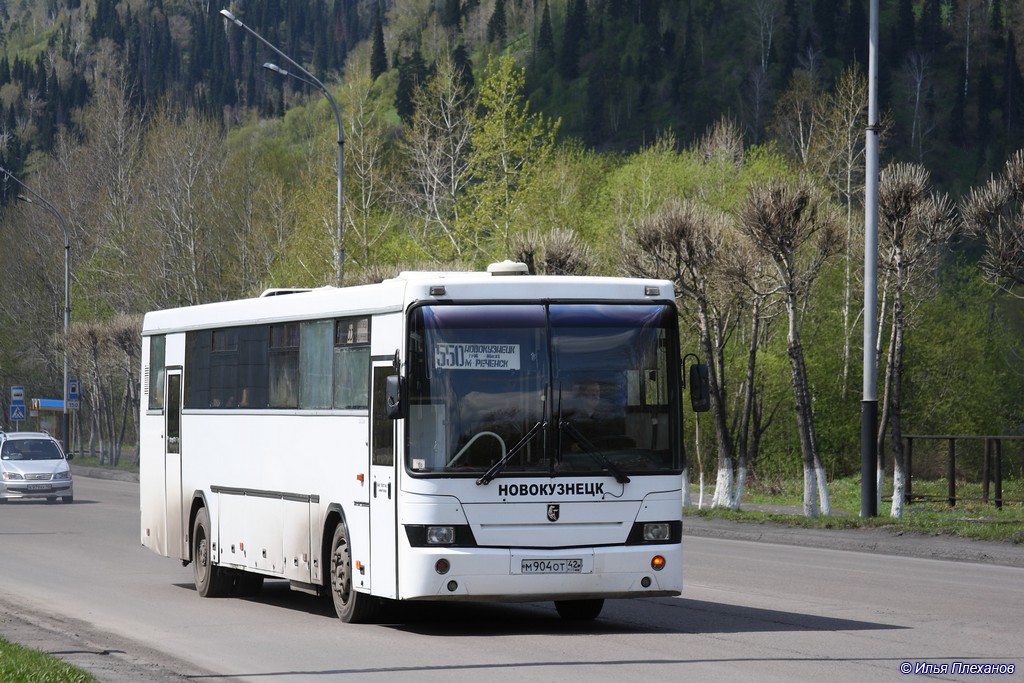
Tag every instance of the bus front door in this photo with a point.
(383, 491)
(176, 545)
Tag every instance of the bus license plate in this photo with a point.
(572, 565)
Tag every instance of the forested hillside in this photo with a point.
(648, 137)
(616, 72)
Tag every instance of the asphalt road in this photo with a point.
(78, 584)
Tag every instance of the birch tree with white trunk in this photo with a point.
(794, 227)
(913, 224)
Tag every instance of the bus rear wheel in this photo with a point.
(352, 607)
(579, 610)
(211, 580)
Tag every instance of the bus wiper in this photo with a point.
(497, 467)
(592, 450)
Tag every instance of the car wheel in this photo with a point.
(211, 580)
(67, 499)
(352, 607)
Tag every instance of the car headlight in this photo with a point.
(62, 476)
(11, 476)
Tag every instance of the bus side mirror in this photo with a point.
(394, 397)
(700, 388)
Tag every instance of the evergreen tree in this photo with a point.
(497, 25)
(411, 73)
(904, 32)
(1012, 98)
(932, 34)
(451, 14)
(546, 39)
(957, 115)
(570, 58)
(464, 66)
(378, 56)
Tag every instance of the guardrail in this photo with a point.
(992, 467)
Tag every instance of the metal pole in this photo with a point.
(312, 80)
(869, 403)
(64, 427)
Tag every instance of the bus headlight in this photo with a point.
(440, 535)
(657, 531)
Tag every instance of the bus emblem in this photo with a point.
(552, 512)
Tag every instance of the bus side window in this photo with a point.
(352, 363)
(284, 365)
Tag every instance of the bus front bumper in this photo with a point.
(525, 575)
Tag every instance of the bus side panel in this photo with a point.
(251, 532)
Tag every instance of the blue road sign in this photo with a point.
(17, 413)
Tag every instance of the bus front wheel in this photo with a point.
(211, 580)
(579, 610)
(352, 607)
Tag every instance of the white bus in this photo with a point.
(437, 436)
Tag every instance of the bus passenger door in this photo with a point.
(172, 464)
(383, 491)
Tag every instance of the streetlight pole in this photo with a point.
(311, 80)
(869, 402)
(37, 198)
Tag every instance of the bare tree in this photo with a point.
(684, 242)
(437, 147)
(794, 121)
(995, 212)
(370, 210)
(912, 224)
(838, 156)
(184, 164)
(559, 252)
(916, 77)
(796, 230)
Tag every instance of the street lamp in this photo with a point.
(309, 79)
(33, 199)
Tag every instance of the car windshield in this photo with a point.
(30, 449)
(542, 388)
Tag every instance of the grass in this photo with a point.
(969, 518)
(21, 665)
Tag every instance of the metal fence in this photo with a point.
(991, 465)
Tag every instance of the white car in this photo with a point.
(33, 465)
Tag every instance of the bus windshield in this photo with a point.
(544, 389)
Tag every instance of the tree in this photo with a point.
(436, 146)
(838, 156)
(912, 226)
(995, 212)
(378, 55)
(183, 166)
(794, 228)
(794, 121)
(497, 25)
(509, 144)
(684, 241)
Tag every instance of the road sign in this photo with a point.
(74, 404)
(17, 413)
(73, 389)
(18, 396)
